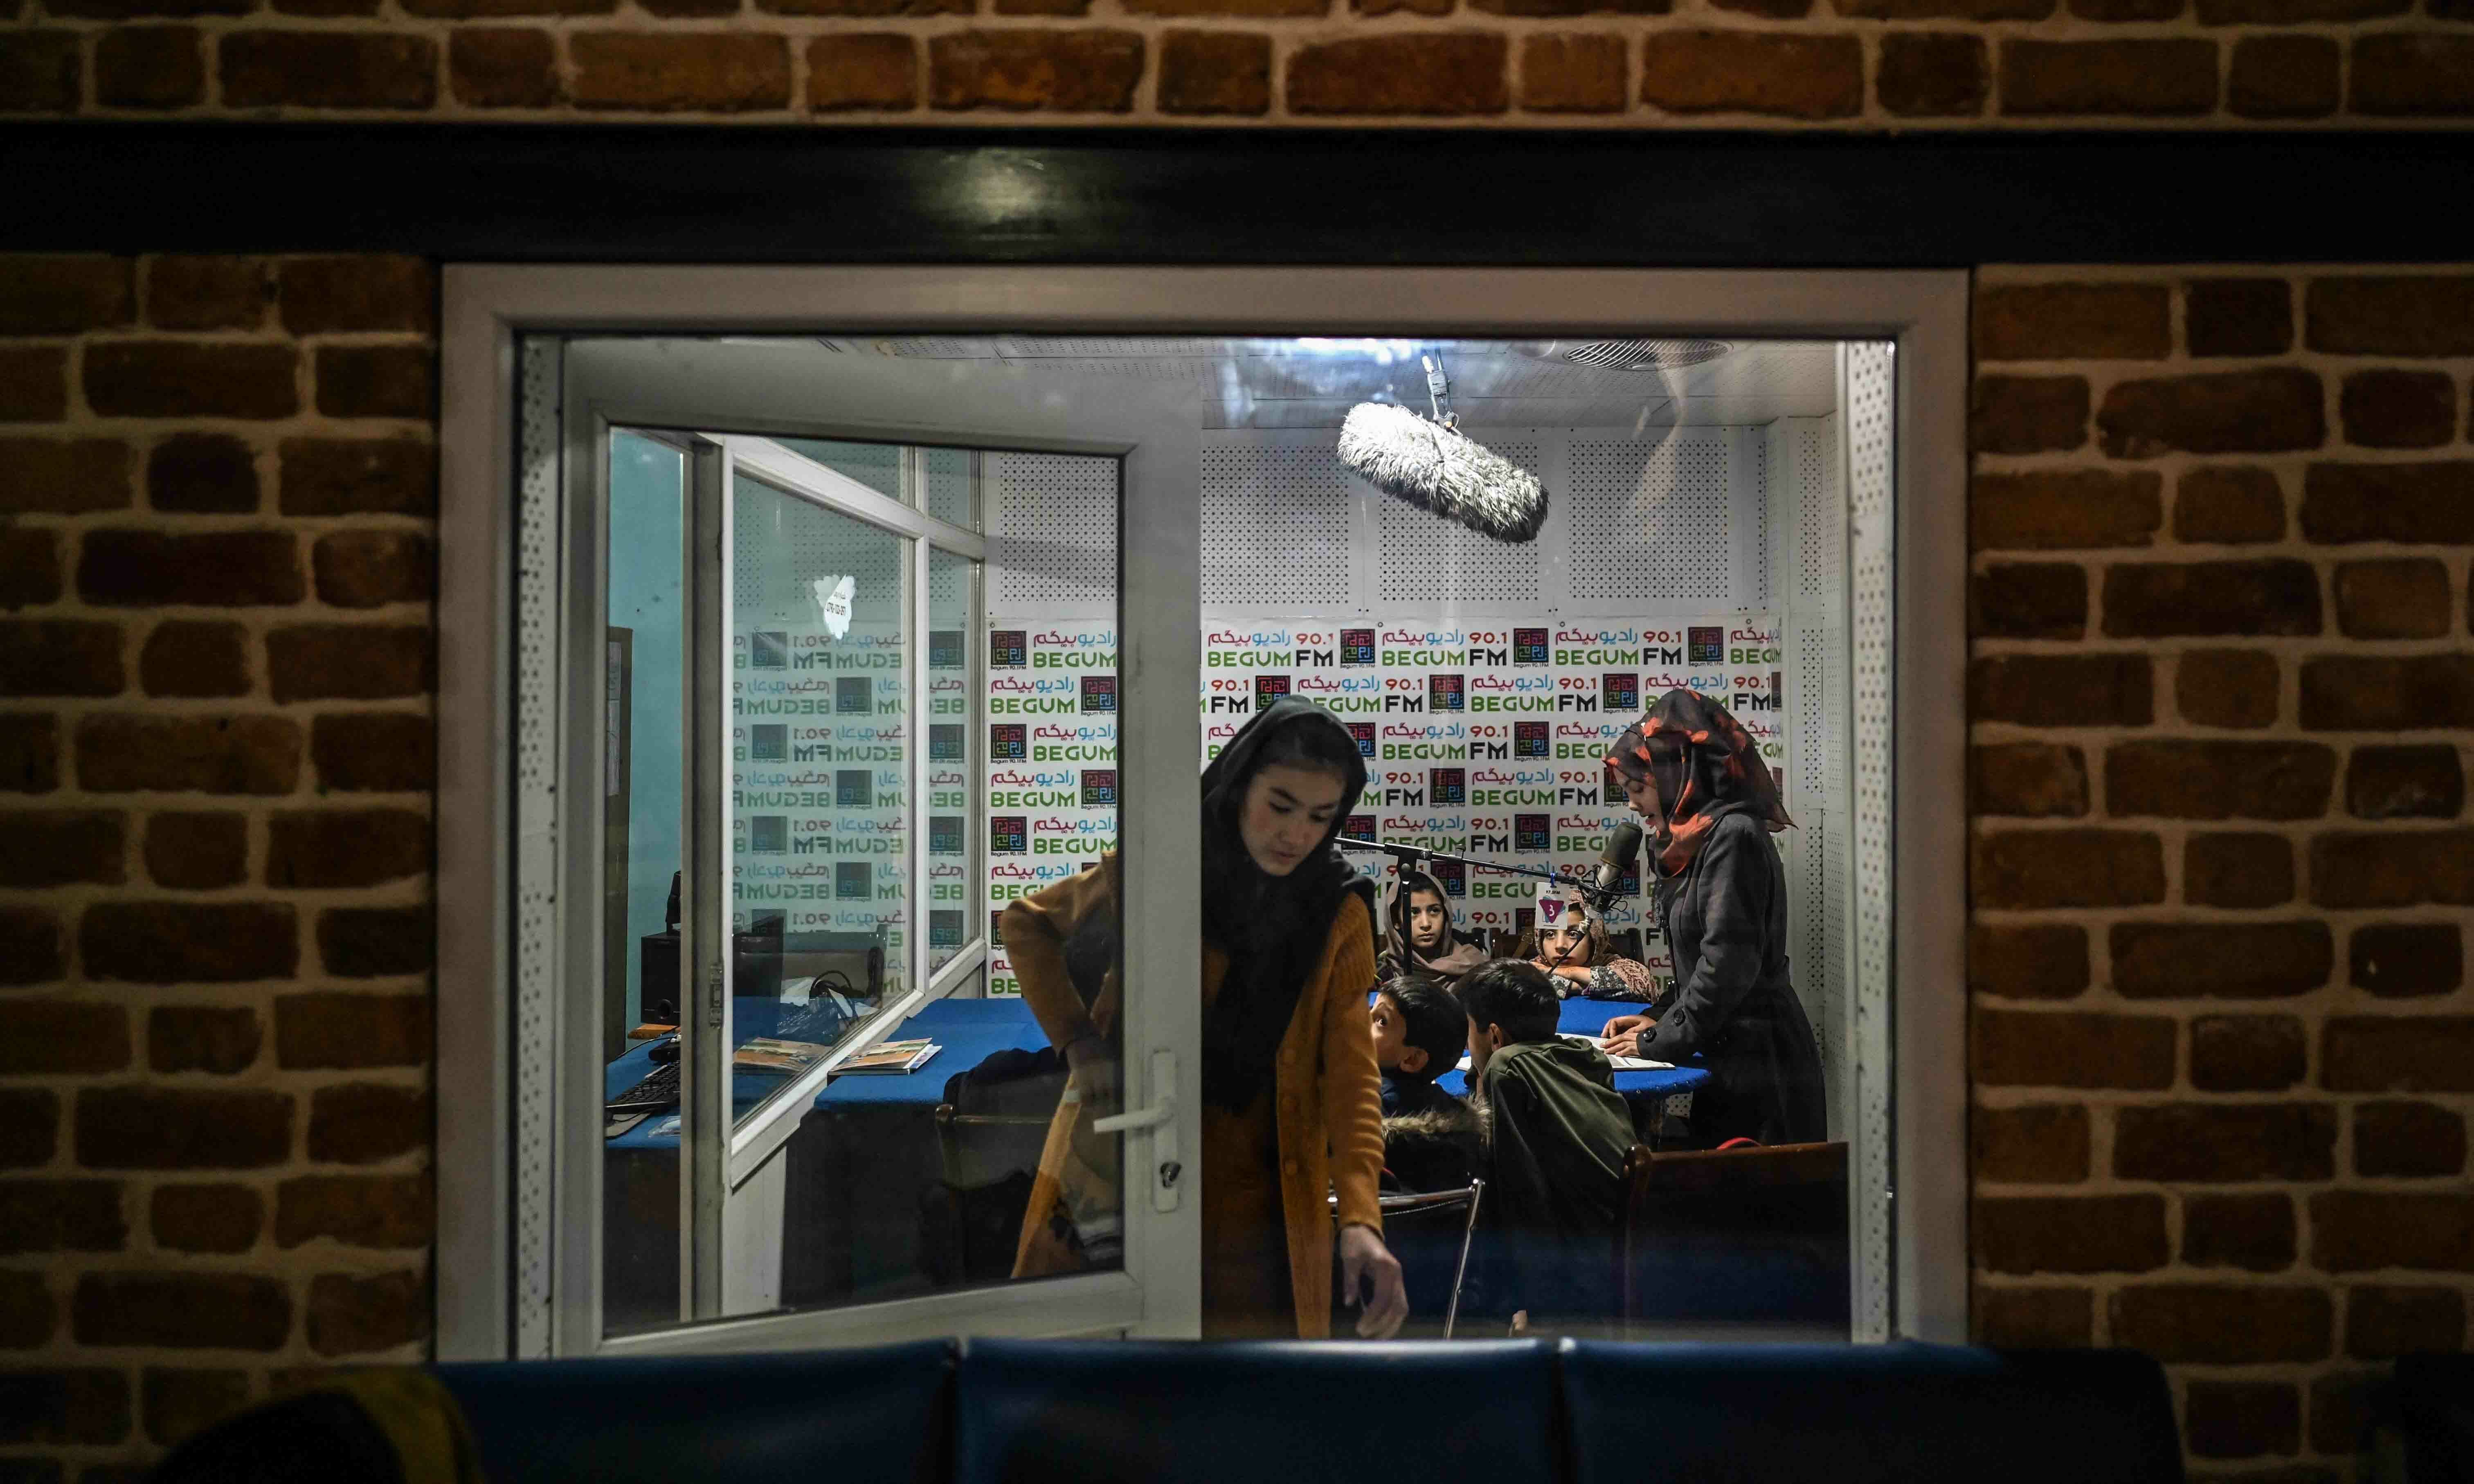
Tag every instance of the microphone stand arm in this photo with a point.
(1588, 887)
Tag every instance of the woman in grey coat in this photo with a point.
(1693, 775)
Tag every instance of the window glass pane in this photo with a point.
(875, 465)
(643, 764)
(953, 921)
(820, 819)
(949, 485)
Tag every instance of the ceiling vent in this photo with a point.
(1639, 355)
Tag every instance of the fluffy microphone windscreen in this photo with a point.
(1430, 466)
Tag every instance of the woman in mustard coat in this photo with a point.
(1292, 1100)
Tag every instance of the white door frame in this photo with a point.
(488, 307)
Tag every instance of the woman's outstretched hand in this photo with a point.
(1363, 1255)
(1623, 1034)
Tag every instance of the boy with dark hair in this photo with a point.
(1419, 1034)
(1557, 1136)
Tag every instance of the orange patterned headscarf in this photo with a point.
(1706, 767)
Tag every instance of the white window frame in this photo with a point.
(488, 307)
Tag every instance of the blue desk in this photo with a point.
(1590, 1017)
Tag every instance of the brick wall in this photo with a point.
(2222, 694)
(1660, 64)
(216, 512)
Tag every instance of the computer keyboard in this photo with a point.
(657, 1091)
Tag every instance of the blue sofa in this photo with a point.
(1493, 1412)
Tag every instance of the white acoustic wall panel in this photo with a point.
(1654, 517)
(1275, 525)
(1869, 374)
(1054, 534)
(537, 865)
(1428, 563)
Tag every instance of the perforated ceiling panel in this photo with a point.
(1419, 559)
(1274, 528)
(1056, 530)
(1651, 518)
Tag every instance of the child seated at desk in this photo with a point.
(1557, 1133)
(1429, 1136)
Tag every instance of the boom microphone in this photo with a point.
(1426, 462)
(1624, 848)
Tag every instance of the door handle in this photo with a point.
(1159, 1121)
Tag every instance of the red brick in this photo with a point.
(2201, 1142)
(64, 1405)
(1763, 72)
(202, 474)
(62, 1215)
(216, 569)
(2041, 1144)
(2237, 316)
(33, 383)
(495, 9)
(28, 1320)
(186, 291)
(2241, 1418)
(2151, 78)
(55, 847)
(2387, 692)
(2361, 1230)
(172, 942)
(357, 1210)
(182, 658)
(2219, 780)
(2237, 869)
(2369, 869)
(327, 1030)
(65, 476)
(388, 381)
(1537, 7)
(207, 1218)
(353, 1316)
(868, 7)
(1575, 74)
(2381, 1323)
(2266, 411)
(2296, 13)
(880, 69)
(151, 1128)
(2255, 1233)
(2406, 502)
(369, 568)
(201, 1038)
(348, 662)
(2404, 783)
(361, 1123)
(383, 750)
(360, 476)
(488, 68)
(2398, 409)
(29, 1125)
(2068, 1234)
(39, 72)
(2391, 314)
(2074, 322)
(65, 294)
(2064, 509)
(2245, 960)
(187, 379)
(2410, 1140)
(322, 69)
(178, 1403)
(2214, 1323)
(1944, 10)
(2231, 687)
(2027, 414)
(183, 1310)
(2399, 959)
(30, 949)
(1429, 74)
(2030, 779)
(704, 71)
(2155, 600)
(2228, 504)
(2414, 74)
(2035, 1318)
(2038, 961)
(117, 753)
(60, 657)
(364, 942)
(2284, 77)
(29, 567)
(63, 1035)
(2037, 869)
(2092, 689)
(357, 292)
(2025, 1049)
(325, 848)
(1933, 75)
(30, 753)
(2397, 1054)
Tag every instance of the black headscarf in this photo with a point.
(1273, 928)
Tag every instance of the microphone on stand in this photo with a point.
(1623, 849)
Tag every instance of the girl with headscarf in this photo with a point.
(1696, 778)
(1571, 944)
(1419, 936)
(1291, 1105)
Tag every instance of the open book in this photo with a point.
(1621, 1063)
(766, 1054)
(891, 1059)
